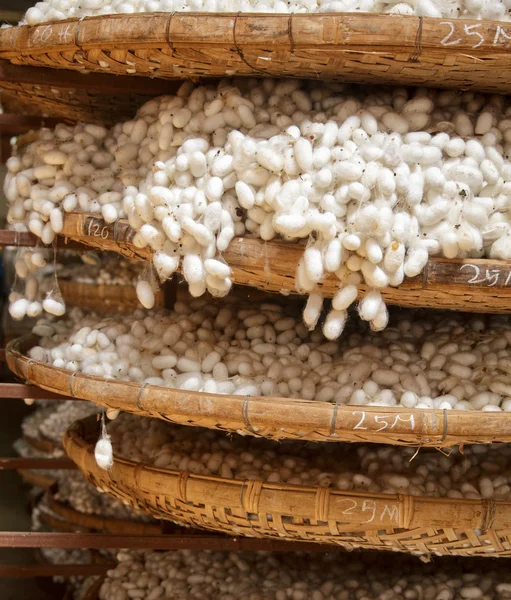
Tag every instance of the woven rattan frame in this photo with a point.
(104, 299)
(82, 521)
(271, 267)
(258, 509)
(274, 418)
(349, 47)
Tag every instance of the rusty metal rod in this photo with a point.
(30, 539)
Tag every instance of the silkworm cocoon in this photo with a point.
(345, 297)
(415, 261)
(288, 224)
(484, 123)
(152, 236)
(54, 307)
(351, 242)
(166, 264)
(374, 275)
(334, 324)
(172, 229)
(193, 268)
(312, 310)
(36, 227)
(34, 309)
(245, 194)
(45, 172)
(218, 287)
(489, 171)
(217, 268)
(354, 263)
(369, 306)
(109, 213)
(271, 160)
(395, 122)
(303, 154)
(144, 208)
(31, 288)
(333, 255)
(145, 294)
(313, 262)
(394, 257)
(415, 191)
(380, 321)
(21, 268)
(501, 248)
(302, 282)
(373, 251)
(47, 234)
(18, 309)
(103, 453)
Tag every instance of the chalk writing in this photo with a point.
(388, 421)
(472, 33)
(486, 277)
(375, 511)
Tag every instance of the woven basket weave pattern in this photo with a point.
(351, 47)
(283, 511)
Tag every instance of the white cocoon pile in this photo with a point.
(446, 362)
(375, 180)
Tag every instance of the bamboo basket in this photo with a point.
(419, 525)
(37, 479)
(353, 47)
(72, 104)
(473, 285)
(42, 444)
(273, 418)
(104, 299)
(93, 592)
(75, 520)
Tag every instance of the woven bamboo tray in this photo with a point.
(42, 444)
(75, 520)
(274, 418)
(37, 479)
(473, 285)
(93, 592)
(104, 299)
(440, 526)
(73, 104)
(355, 47)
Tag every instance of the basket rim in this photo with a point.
(41, 443)
(397, 511)
(246, 29)
(352, 47)
(284, 418)
(93, 521)
(258, 263)
(37, 479)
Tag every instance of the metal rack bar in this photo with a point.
(31, 539)
(51, 570)
(22, 390)
(19, 462)
(25, 238)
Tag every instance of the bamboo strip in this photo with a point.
(274, 418)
